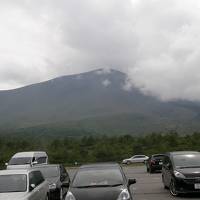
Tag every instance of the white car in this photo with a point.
(135, 159)
(23, 185)
(27, 159)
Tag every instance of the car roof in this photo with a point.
(45, 165)
(30, 154)
(100, 165)
(183, 152)
(17, 171)
(159, 154)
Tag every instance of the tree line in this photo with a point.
(89, 149)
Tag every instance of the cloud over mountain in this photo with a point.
(154, 41)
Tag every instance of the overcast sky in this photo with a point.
(156, 42)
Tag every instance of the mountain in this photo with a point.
(94, 102)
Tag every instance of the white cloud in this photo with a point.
(156, 42)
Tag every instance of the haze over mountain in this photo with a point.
(96, 101)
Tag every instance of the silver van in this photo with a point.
(27, 159)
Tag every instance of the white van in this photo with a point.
(27, 159)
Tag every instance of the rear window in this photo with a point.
(13, 183)
(48, 172)
(20, 161)
(95, 177)
(158, 156)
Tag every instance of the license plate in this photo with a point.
(197, 186)
(160, 163)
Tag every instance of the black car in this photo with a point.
(100, 181)
(154, 163)
(58, 180)
(181, 172)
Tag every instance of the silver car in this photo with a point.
(23, 185)
(136, 159)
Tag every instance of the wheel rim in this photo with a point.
(173, 189)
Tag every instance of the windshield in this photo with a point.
(50, 172)
(20, 161)
(188, 160)
(98, 177)
(13, 183)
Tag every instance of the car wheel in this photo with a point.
(128, 163)
(172, 188)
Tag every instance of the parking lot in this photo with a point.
(148, 186)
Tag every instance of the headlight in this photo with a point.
(178, 174)
(52, 186)
(69, 196)
(124, 195)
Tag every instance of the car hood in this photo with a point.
(13, 196)
(105, 193)
(190, 172)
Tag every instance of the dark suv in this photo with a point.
(181, 172)
(154, 163)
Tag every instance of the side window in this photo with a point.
(35, 178)
(41, 160)
(141, 156)
(63, 173)
(165, 160)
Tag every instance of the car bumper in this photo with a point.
(187, 185)
(156, 167)
(54, 194)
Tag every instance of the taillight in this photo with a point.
(153, 162)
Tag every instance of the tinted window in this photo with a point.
(41, 160)
(138, 156)
(166, 160)
(92, 177)
(188, 160)
(50, 171)
(20, 161)
(35, 178)
(13, 183)
(64, 175)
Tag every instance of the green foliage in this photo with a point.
(89, 149)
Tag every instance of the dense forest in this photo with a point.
(89, 149)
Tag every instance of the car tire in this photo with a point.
(128, 162)
(172, 188)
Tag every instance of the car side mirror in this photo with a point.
(32, 187)
(168, 166)
(65, 184)
(35, 162)
(131, 181)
